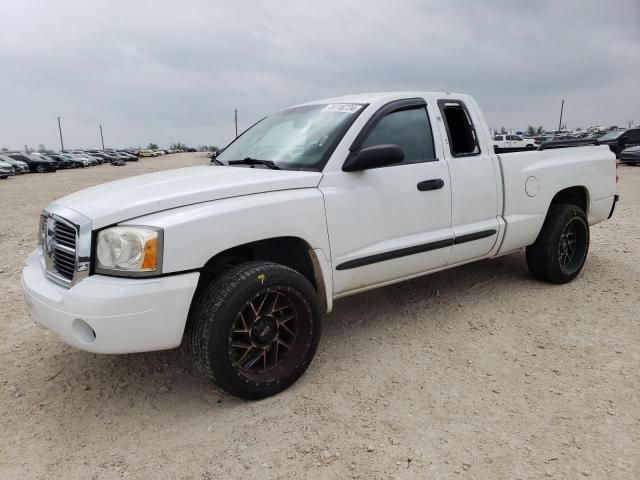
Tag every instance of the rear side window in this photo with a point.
(633, 136)
(410, 130)
(463, 140)
(499, 138)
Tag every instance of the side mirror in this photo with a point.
(373, 157)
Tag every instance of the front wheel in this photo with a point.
(40, 169)
(255, 329)
(559, 252)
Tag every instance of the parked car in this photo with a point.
(123, 155)
(101, 156)
(79, 160)
(6, 170)
(93, 156)
(129, 157)
(87, 156)
(506, 142)
(148, 153)
(631, 156)
(619, 140)
(36, 163)
(107, 155)
(61, 162)
(314, 203)
(541, 139)
(18, 165)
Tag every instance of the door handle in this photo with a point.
(434, 184)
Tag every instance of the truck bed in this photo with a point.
(531, 179)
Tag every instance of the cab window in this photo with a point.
(410, 130)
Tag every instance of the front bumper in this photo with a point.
(104, 314)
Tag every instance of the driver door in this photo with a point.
(393, 222)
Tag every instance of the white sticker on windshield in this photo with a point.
(342, 107)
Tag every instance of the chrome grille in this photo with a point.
(65, 238)
(65, 235)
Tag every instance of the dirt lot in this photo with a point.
(478, 372)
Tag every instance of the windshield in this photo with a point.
(300, 138)
(612, 135)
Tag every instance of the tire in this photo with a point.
(529, 147)
(40, 169)
(552, 258)
(250, 354)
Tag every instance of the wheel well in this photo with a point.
(572, 196)
(292, 252)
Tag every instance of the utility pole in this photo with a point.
(561, 109)
(101, 137)
(60, 130)
(236, 120)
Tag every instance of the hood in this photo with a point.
(133, 197)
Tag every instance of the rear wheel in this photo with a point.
(255, 329)
(40, 169)
(561, 248)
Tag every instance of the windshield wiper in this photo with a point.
(254, 161)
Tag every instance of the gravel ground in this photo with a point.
(478, 372)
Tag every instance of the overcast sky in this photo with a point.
(169, 71)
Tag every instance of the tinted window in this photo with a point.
(499, 138)
(612, 135)
(410, 130)
(515, 137)
(633, 136)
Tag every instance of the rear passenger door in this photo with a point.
(475, 182)
(511, 143)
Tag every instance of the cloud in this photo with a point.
(168, 71)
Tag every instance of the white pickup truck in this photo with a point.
(507, 142)
(314, 203)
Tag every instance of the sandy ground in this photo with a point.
(479, 372)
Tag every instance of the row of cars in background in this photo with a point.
(624, 143)
(16, 163)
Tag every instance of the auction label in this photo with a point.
(342, 107)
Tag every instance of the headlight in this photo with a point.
(129, 251)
